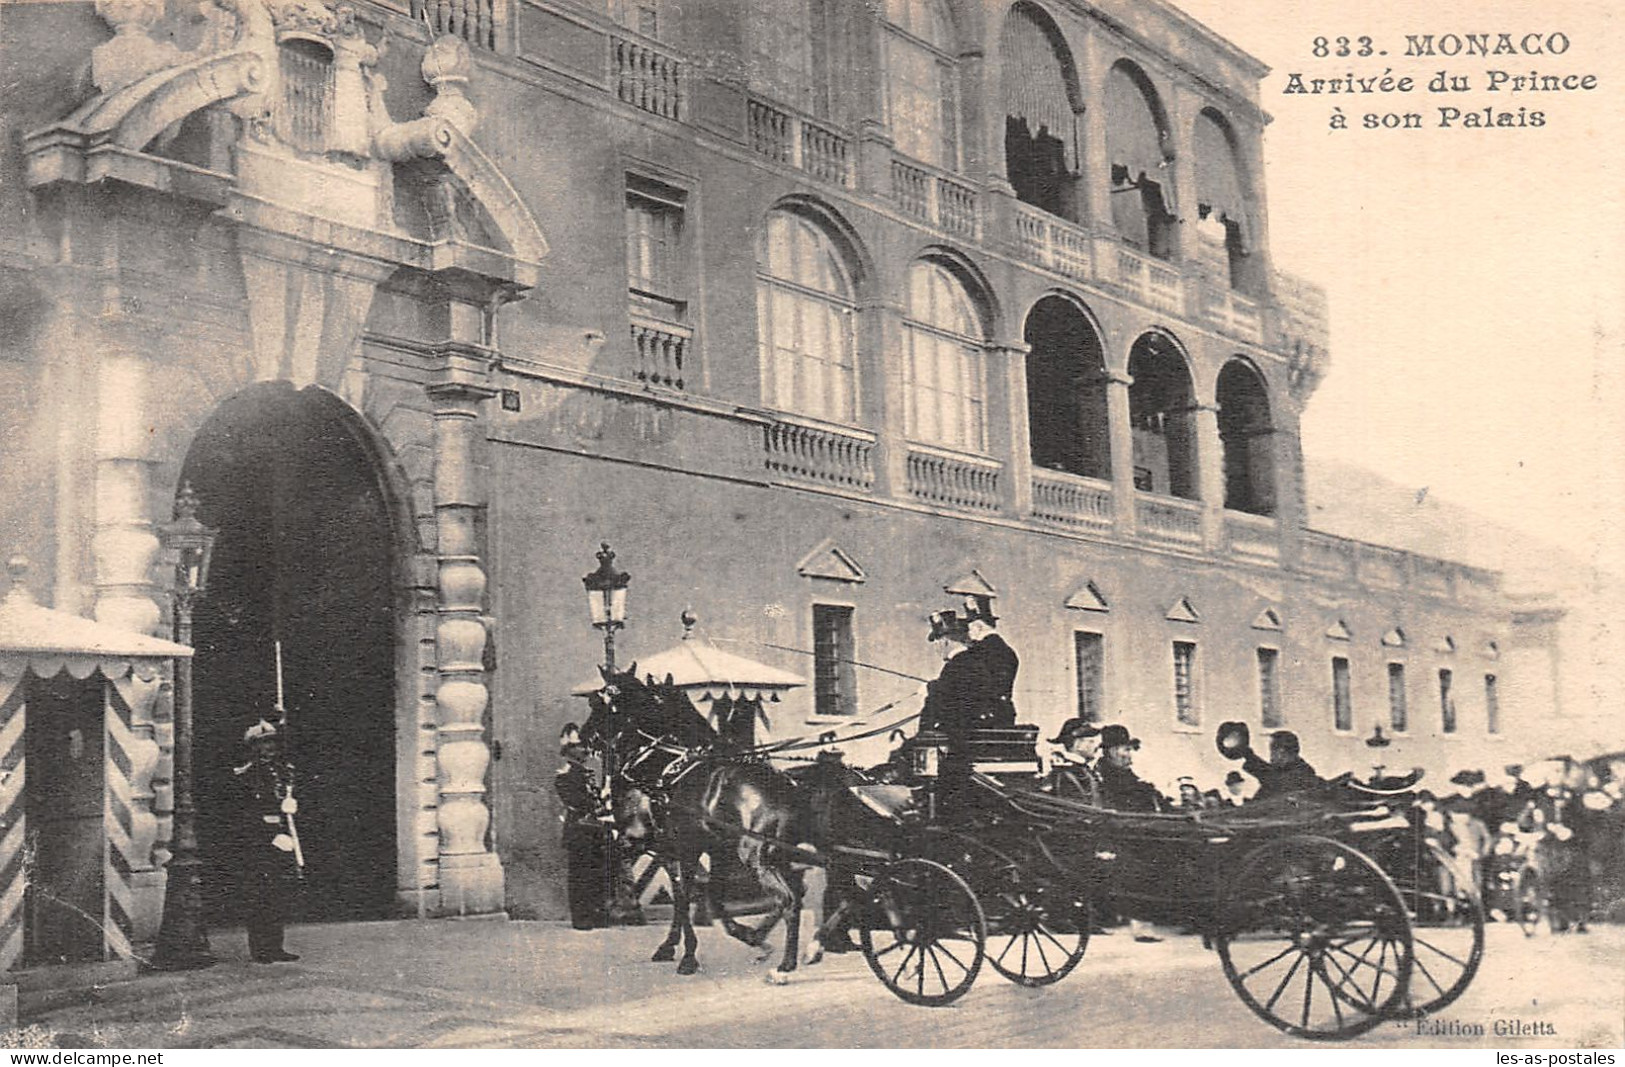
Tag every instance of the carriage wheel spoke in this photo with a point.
(1273, 959)
(947, 952)
(1417, 963)
(1308, 994)
(901, 967)
(1008, 945)
(1363, 1003)
(1337, 1009)
(1282, 987)
(1065, 952)
(1380, 966)
(1430, 945)
(941, 975)
(1023, 953)
(1042, 957)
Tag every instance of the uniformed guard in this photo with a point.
(585, 842)
(272, 857)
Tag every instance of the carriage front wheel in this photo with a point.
(1315, 938)
(1447, 926)
(924, 934)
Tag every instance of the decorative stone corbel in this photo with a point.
(446, 67)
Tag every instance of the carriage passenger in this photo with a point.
(1072, 770)
(973, 691)
(1286, 772)
(1123, 790)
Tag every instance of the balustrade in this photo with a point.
(1233, 313)
(661, 350)
(838, 457)
(1255, 537)
(1053, 243)
(952, 480)
(936, 198)
(1069, 500)
(785, 137)
(475, 21)
(648, 79)
(1169, 519)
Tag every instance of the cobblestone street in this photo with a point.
(523, 984)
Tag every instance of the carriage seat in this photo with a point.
(893, 802)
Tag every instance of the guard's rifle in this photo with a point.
(288, 804)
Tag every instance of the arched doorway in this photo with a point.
(305, 556)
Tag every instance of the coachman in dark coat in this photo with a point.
(973, 691)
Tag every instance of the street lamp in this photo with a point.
(606, 602)
(183, 940)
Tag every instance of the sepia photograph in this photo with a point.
(696, 524)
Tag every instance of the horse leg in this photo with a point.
(668, 948)
(815, 899)
(786, 889)
(689, 964)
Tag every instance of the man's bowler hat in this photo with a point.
(1115, 736)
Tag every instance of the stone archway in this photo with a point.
(307, 555)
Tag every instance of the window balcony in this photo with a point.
(1071, 501)
(482, 23)
(837, 456)
(796, 141)
(952, 479)
(934, 196)
(1169, 520)
(661, 351)
(1053, 243)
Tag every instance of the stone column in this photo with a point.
(471, 878)
(1009, 436)
(1210, 474)
(883, 390)
(124, 544)
(1182, 114)
(1122, 442)
(1096, 201)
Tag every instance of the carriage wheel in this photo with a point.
(1315, 938)
(1447, 927)
(1529, 901)
(1037, 929)
(1037, 932)
(924, 934)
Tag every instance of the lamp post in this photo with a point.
(606, 603)
(183, 940)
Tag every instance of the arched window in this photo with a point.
(804, 310)
(922, 102)
(1162, 408)
(1221, 202)
(1066, 391)
(1141, 188)
(1040, 116)
(943, 374)
(1247, 436)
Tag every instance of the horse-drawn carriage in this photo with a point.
(1330, 914)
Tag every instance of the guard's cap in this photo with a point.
(260, 729)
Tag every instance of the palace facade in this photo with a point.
(813, 309)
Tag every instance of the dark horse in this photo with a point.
(681, 792)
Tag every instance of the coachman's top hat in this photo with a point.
(1075, 728)
(1233, 739)
(947, 623)
(1115, 736)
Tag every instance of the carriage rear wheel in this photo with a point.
(1315, 938)
(1447, 926)
(1037, 927)
(924, 933)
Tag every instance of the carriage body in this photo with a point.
(1331, 911)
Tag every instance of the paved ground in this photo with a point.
(524, 984)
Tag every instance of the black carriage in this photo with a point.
(1330, 913)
